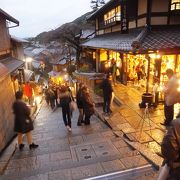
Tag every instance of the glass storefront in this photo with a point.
(136, 67)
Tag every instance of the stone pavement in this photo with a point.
(128, 120)
(85, 152)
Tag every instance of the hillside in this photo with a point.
(66, 30)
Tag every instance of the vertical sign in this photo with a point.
(124, 19)
(21, 77)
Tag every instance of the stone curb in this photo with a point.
(151, 157)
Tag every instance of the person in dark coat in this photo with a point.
(23, 123)
(47, 95)
(170, 149)
(79, 100)
(65, 99)
(88, 105)
(106, 86)
(52, 98)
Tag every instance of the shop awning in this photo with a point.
(27, 75)
(12, 64)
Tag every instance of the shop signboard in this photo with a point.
(124, 18)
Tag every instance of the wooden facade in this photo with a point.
(156, 45)
(6, 80)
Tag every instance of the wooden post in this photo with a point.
(147, 82)
(97, 60)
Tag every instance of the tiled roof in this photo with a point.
(162, 38)
(11, 63)
(113, 41)
(157, 38)
(19, 40)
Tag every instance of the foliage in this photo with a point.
(98, 91)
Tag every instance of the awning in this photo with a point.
(27, 75)
(12, 64)
(8, 17)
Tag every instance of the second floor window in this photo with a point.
(175, 5)
(112, 16)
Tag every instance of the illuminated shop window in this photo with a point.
(112, 16)
(175, 5)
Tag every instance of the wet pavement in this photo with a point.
(87, 151)
(140, 126)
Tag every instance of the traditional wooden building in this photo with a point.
(11, 75)
(143, 33)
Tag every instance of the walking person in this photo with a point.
(88, 105)
(170, 97)
(23, 122)
(79, 100)
(52, 98)
(106, 86)
(65, 99)
(47, 95)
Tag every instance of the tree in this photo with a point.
(95, 4)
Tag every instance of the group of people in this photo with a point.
(62, 96)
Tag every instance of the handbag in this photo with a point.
(73, 105)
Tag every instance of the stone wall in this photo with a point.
(6, 115)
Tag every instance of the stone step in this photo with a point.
(28, 169)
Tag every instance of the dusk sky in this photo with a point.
(36, 16)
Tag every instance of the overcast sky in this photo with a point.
(36, 16)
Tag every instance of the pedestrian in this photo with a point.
(23, 123)
(79, 100)
(170, 97)
(88, 105)
(139, 72)
(170, 148)
(28, 92)
(65, 99)
(106, 86)
(52, 98)
(47, 95)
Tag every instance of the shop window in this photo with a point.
(175, 5)
(103, 55)
(112, 16)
